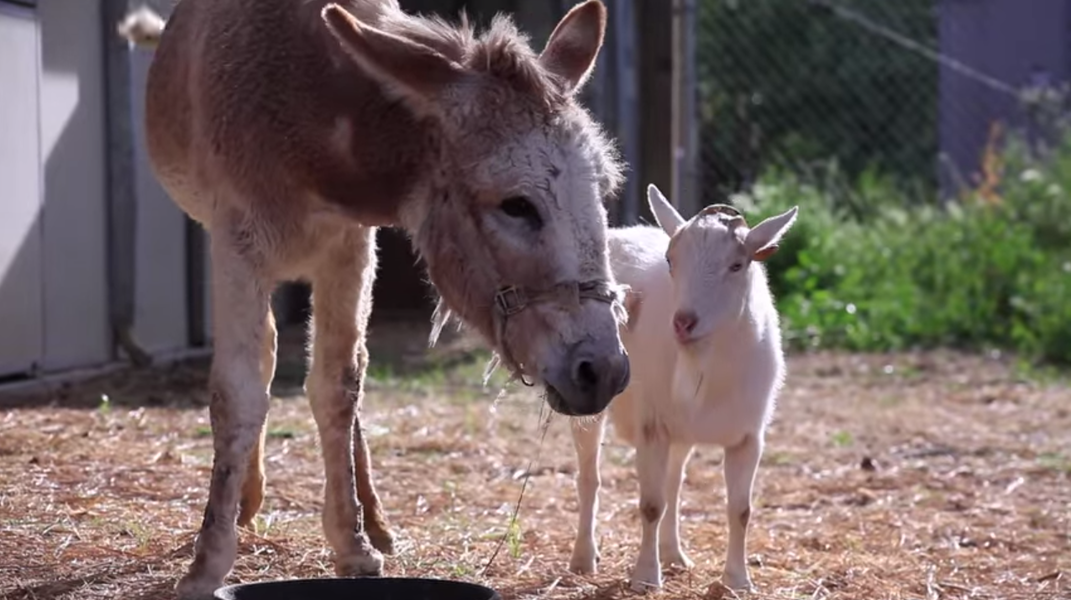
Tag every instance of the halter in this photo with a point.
(511, 300)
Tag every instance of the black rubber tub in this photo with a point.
(359, 588)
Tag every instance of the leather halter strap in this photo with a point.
(511, 300)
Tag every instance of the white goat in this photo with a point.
(704, 341)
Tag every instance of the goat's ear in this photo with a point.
(668, 218)
(574, 44)
(407, 70)
(761, 241)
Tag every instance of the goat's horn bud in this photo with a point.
(724, 209)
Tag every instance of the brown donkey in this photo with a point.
(291, 129)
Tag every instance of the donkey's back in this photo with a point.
(263, 87)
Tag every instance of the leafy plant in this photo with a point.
(868, 268)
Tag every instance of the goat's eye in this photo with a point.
(519, 207)
(736, 267)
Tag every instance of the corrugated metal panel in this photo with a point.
(73, 156)
(21, 312)
(160, 275)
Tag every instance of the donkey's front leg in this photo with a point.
(239, 405)
(341, 303)
(741, 464)
(652, 454)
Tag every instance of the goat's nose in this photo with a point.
(684, 322)
(600, 379)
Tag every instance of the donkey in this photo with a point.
(292, 130)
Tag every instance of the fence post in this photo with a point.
(121, 195)
(627, 116)
(685, 130)
(654, 82)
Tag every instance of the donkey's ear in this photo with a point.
(761, 241)
(668, 218)
(409, 71)
(574, 44)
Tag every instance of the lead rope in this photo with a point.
(512, 300)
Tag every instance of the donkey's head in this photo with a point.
(510, 221)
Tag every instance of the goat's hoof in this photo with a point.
(195, 587)
(676, 558)
(739, 582)
(382, 540)
(585, 560)
(646, 579)
(642, 586)
(584, 565)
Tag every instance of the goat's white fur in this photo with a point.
(720, 389)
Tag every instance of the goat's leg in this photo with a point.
(587, 439)
(652, 454)
(253, 487)
(341, 291)
(669, 534)
(238, 408)
(741, 464)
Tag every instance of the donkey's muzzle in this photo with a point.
(589, 382)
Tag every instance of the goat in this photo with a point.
(704, 339)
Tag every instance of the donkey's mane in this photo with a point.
(501, 50)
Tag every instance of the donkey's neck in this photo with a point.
(290, 87)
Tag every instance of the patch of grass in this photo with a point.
(281, 434)
(890, 401)
(105, 405)
(514, 538)
(842, 439)
(778, 459)
(1055, 461)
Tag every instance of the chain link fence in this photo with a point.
(802, 84)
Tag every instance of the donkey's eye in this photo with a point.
(519, 207)
(736, 267)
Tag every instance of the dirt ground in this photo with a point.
(932, 475)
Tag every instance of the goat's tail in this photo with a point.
(142, 26)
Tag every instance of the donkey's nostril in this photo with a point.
(684, 322)
(586, 377)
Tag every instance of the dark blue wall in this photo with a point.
(1008, 40)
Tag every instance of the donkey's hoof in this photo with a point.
(192, 587)
(368, 563)
(382, 540)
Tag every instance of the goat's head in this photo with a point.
(712, 259)
(511, 222)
